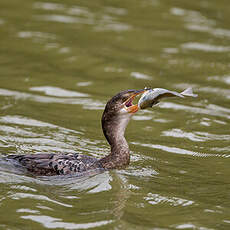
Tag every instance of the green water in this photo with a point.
(60, 61)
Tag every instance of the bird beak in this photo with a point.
(130, 108)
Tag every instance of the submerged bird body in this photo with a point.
(55, 164)
(118, 111)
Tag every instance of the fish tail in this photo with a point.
(189, 92)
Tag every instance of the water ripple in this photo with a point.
(23, 187)
(192, 16)
(17, 196)
(65, 19)
(195, 136)
(115, 10)
(51, 222)
(48, 138)
(27, 210)
(218, 32)
(19, 120)
(85, 102)
(93, 184)
(208, 111)
(140, 76)
(16, 131)
(205, 47)
(58, 92)
(48, 6)
(225, 79)
(174, 201)
(30, 34)
(143, 172)
(180, 150)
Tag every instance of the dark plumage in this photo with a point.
(54, 164)
(115, 118)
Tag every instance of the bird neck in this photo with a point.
(114, 130)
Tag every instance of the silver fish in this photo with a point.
(153, 96)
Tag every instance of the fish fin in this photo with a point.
(188, 92)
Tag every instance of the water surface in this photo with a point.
(62, 60)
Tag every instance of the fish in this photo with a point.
(153, 96)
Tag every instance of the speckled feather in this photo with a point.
(56, 164)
